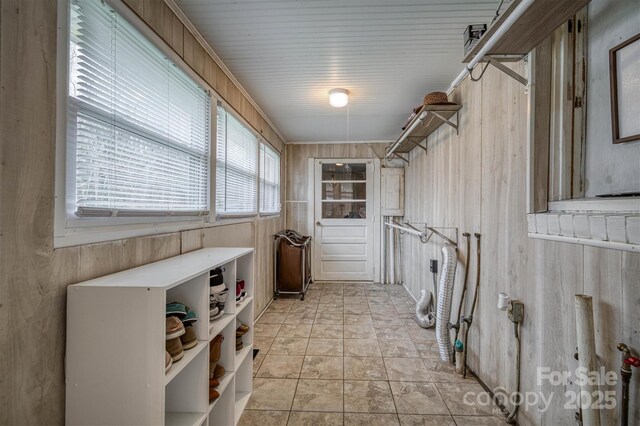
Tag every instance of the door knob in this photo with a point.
(318, 223)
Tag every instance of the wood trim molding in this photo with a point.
(612, 231)
(191, 28)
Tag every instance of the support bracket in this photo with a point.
(395, 154)
(505, 69)
(416, 142)
(454, 125)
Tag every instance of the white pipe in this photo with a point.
(407, 132)
(409, 230)
(391, 257)
(586, 356)
(508, 22)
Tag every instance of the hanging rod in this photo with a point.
(424, 237)
(509, 21)
(403, 229)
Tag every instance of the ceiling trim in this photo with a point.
(334, 142)
(194, 31)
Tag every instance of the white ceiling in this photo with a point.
(289, 53)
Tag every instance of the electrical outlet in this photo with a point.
(516, 312)
(433, 266)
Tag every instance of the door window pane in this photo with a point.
(344, 191)
(344, 210)
(346, 171)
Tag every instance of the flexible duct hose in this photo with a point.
(445, 294)
(424, 318)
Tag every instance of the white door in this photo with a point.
(344, 218)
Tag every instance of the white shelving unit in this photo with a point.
(116, 344)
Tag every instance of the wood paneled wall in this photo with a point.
(34, 276)
(475, 181)
(297, 174)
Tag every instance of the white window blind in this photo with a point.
(236, 167)
(269, 180)
(138, 126)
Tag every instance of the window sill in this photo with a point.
(612, 223)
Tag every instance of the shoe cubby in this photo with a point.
(116, 338)
(243, 384)
(222, 411)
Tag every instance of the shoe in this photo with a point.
(218, 372)
(168, 362)
(243, 293)
(216, 316)
(215, 350)
(242, 328)
(174, 347)
(213, 311)
(214, 383)
(213, 394)
(189, 338)
(216, 281)
(174, 328)
(177, 309)
(221, 298)
(189, 318)
(238, 293)
(239, 343)
(216, 289)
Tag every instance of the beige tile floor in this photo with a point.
(351, 354)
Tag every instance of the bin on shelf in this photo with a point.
(292, 263)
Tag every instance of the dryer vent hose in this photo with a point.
(425, 317)
(445, 294)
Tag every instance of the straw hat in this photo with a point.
(436, 98)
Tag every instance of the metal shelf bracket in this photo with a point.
(505, 69)
(444, 120)
(417, 142)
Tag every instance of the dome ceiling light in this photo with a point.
(338, 98)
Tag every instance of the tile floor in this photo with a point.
(351, 354)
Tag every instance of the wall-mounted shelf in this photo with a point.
(539, 20)
(426, 121)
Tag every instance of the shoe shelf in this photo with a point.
(242, 398)
(185, 361)
(218, 325)
(243, 383)
(115, 353)
(181, 419)
(224, 385)
(246, 302)
(242, 354)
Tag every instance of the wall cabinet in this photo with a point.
(392, 191)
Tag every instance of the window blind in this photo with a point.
(138, 126)
(269, 180)
(236, 167)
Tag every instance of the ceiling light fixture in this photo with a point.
(338, 97)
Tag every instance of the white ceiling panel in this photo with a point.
(289, 53)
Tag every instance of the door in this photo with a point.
(344, 218)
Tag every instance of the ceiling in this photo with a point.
(388, 53)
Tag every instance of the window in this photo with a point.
(269, 180)
(138, 126)
(236, 167)
(344, 191)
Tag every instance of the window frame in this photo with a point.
(70, 230)
(223, 217)
(277, 212)
(74, 231)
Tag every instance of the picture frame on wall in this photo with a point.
(624, 74)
